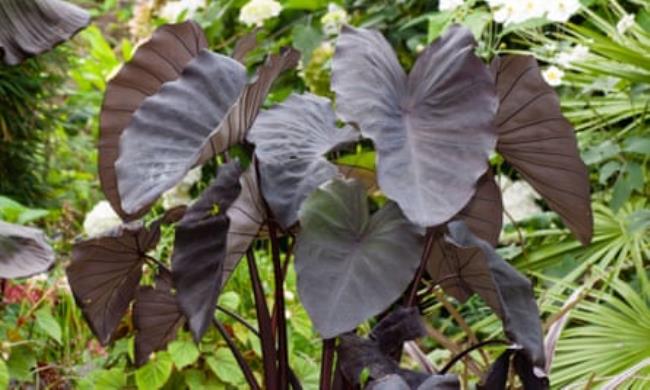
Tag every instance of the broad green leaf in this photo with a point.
(639, 145)
(437, 24)
(599, 153)
(350, 265)
(21, 363)
(306, 38)
(183, 353)
(607, 170)
(48, 324)
(309, 5)
(4, 375)
(225, 367)
(622, 192)
(113, 379)
(229, 300)
(194, 379)
(635, 176)
(155, 373)
(476, 22)
(366, 159)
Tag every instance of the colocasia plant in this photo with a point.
(365, 243)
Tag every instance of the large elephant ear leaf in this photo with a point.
(291, 140)
(105, 273)
(23, 251)
(539, 142)
(247, 215)
(209, 108)
(427, 126)
(500, 285)
(156, 317)
(200, 249)
(32, 27)
(160, 59)
(351, 266)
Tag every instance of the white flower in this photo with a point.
(519, 199)
(626, 22)
(576, 54)
(100, 219)
(553, 76)
(173, 9)
(333, 19)
(449, 5)
(527, 9)
(561, 10)
(180, 194)
(255, 12)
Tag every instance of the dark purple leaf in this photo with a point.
(500, 285)
(200, 249)
(105, 273)
(291, 140)
(433, 129)
(538, 141)
(247, 214)
(160, 59)
(401, 325)
(497, 376)
(23, 251)
(350, 265)
(190, 120)
(532, 377)
(32, 27)
(157, 318)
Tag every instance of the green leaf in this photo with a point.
(309, 5)
(14, 212)
(48, 324)
(600, 153)
(476, 22)
(621, 194)
(437, 24)
(183, 353)
(155, 373)
(4, 375)
(365, 159)
(607, 170)
(639, 145)
(20, 364)
(194, 379)
(229, 300)
(635, 176)
(306, 39)
(113, 379)
(225, 367)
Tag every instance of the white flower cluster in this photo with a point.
(518, 199)
(333, 19)
(554, 75)
(101, 219)
(449, 5)
(625, 23)
(519, 11)
(255, 12)
(173, 9)
(180, 195)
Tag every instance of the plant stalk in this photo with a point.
(428, 245)
(278, 274)
(327, 363)
(246, 370)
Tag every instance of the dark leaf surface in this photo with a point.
(291, 140)
(160, 59)
(539, 142)
(105, 273)
(190, 120)
(200, 249)
(425, 126)
(23, 251)
(401, 325)
(247, 214)
(500, 285)
(497, 376)
(351, 266)
(32, 27)
(157, 318)
(528, 373)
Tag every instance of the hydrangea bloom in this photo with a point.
(173, 9)
(333, 19)
(100, 219)
(626, 22)
(553, 76)
(180, 195)
(519, 11)
(519, 199)
(576, 54)
(255, 12)
(449, 5)
(561, 10)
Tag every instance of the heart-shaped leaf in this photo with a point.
(105, 273)
(200, 249)
(434, 382)
(291, 140)
(157, 318)
(160, 59)
(539, 142)
(246, 214)
(209, 108)
(500, 285)
(23, 251)
(32, 27)
(425, 126)
(497, 376)
(351, 266)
